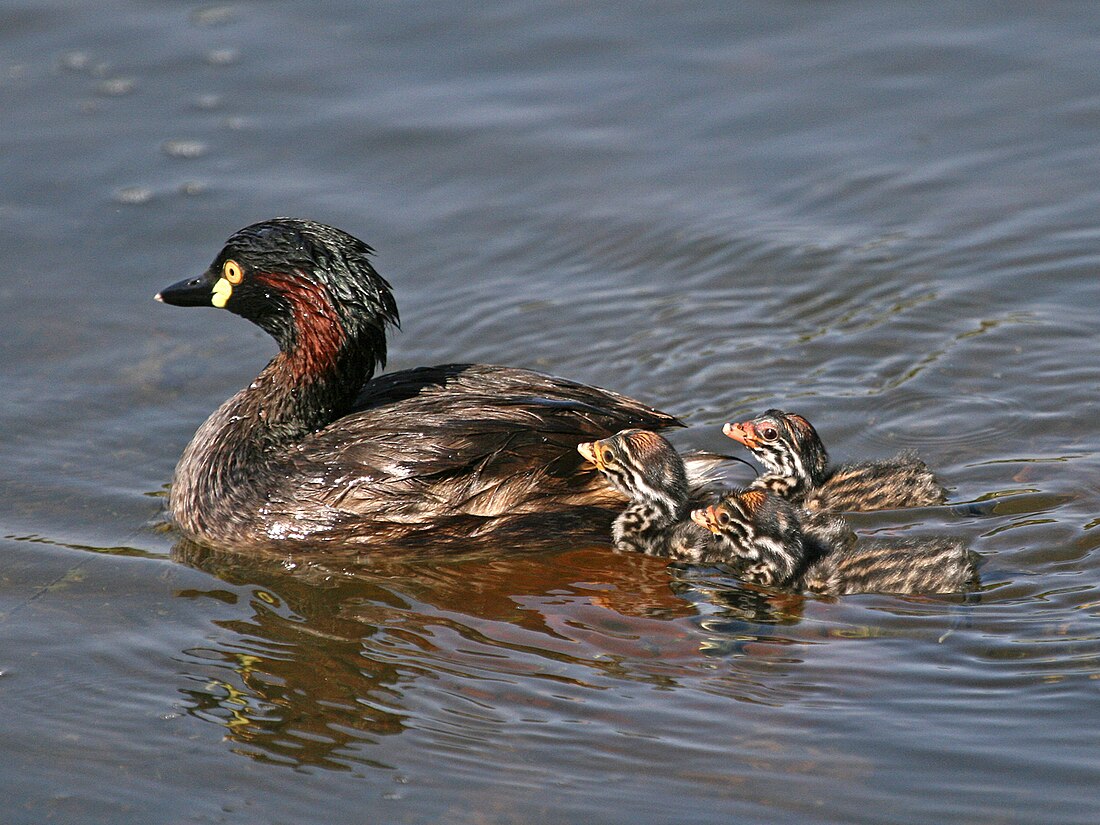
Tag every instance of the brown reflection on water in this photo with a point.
(320, 659)
(294, 688)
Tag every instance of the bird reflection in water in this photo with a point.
(319, 654)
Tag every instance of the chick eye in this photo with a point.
(608, 457)
(770, 433)
(232, 272)
(723, 518)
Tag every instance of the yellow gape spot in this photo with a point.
(222, 290)
(232, 274)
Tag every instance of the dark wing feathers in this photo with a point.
(466, 439)
(507, 385)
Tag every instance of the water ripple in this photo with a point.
(907, 418)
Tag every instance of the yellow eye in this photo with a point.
(231, 271)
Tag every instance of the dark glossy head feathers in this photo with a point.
(311, 286)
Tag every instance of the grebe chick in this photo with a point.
(768, 539)
(766, 532)
(898, 566)
(798, 469)
(318, 452)
(646, 468)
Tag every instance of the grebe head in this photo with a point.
(785, 443)
(311, 286)
(642, 465)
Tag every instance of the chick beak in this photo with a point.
(742, 433)
(590, 453)
(704, 517)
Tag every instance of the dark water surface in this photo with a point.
(885, 216)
